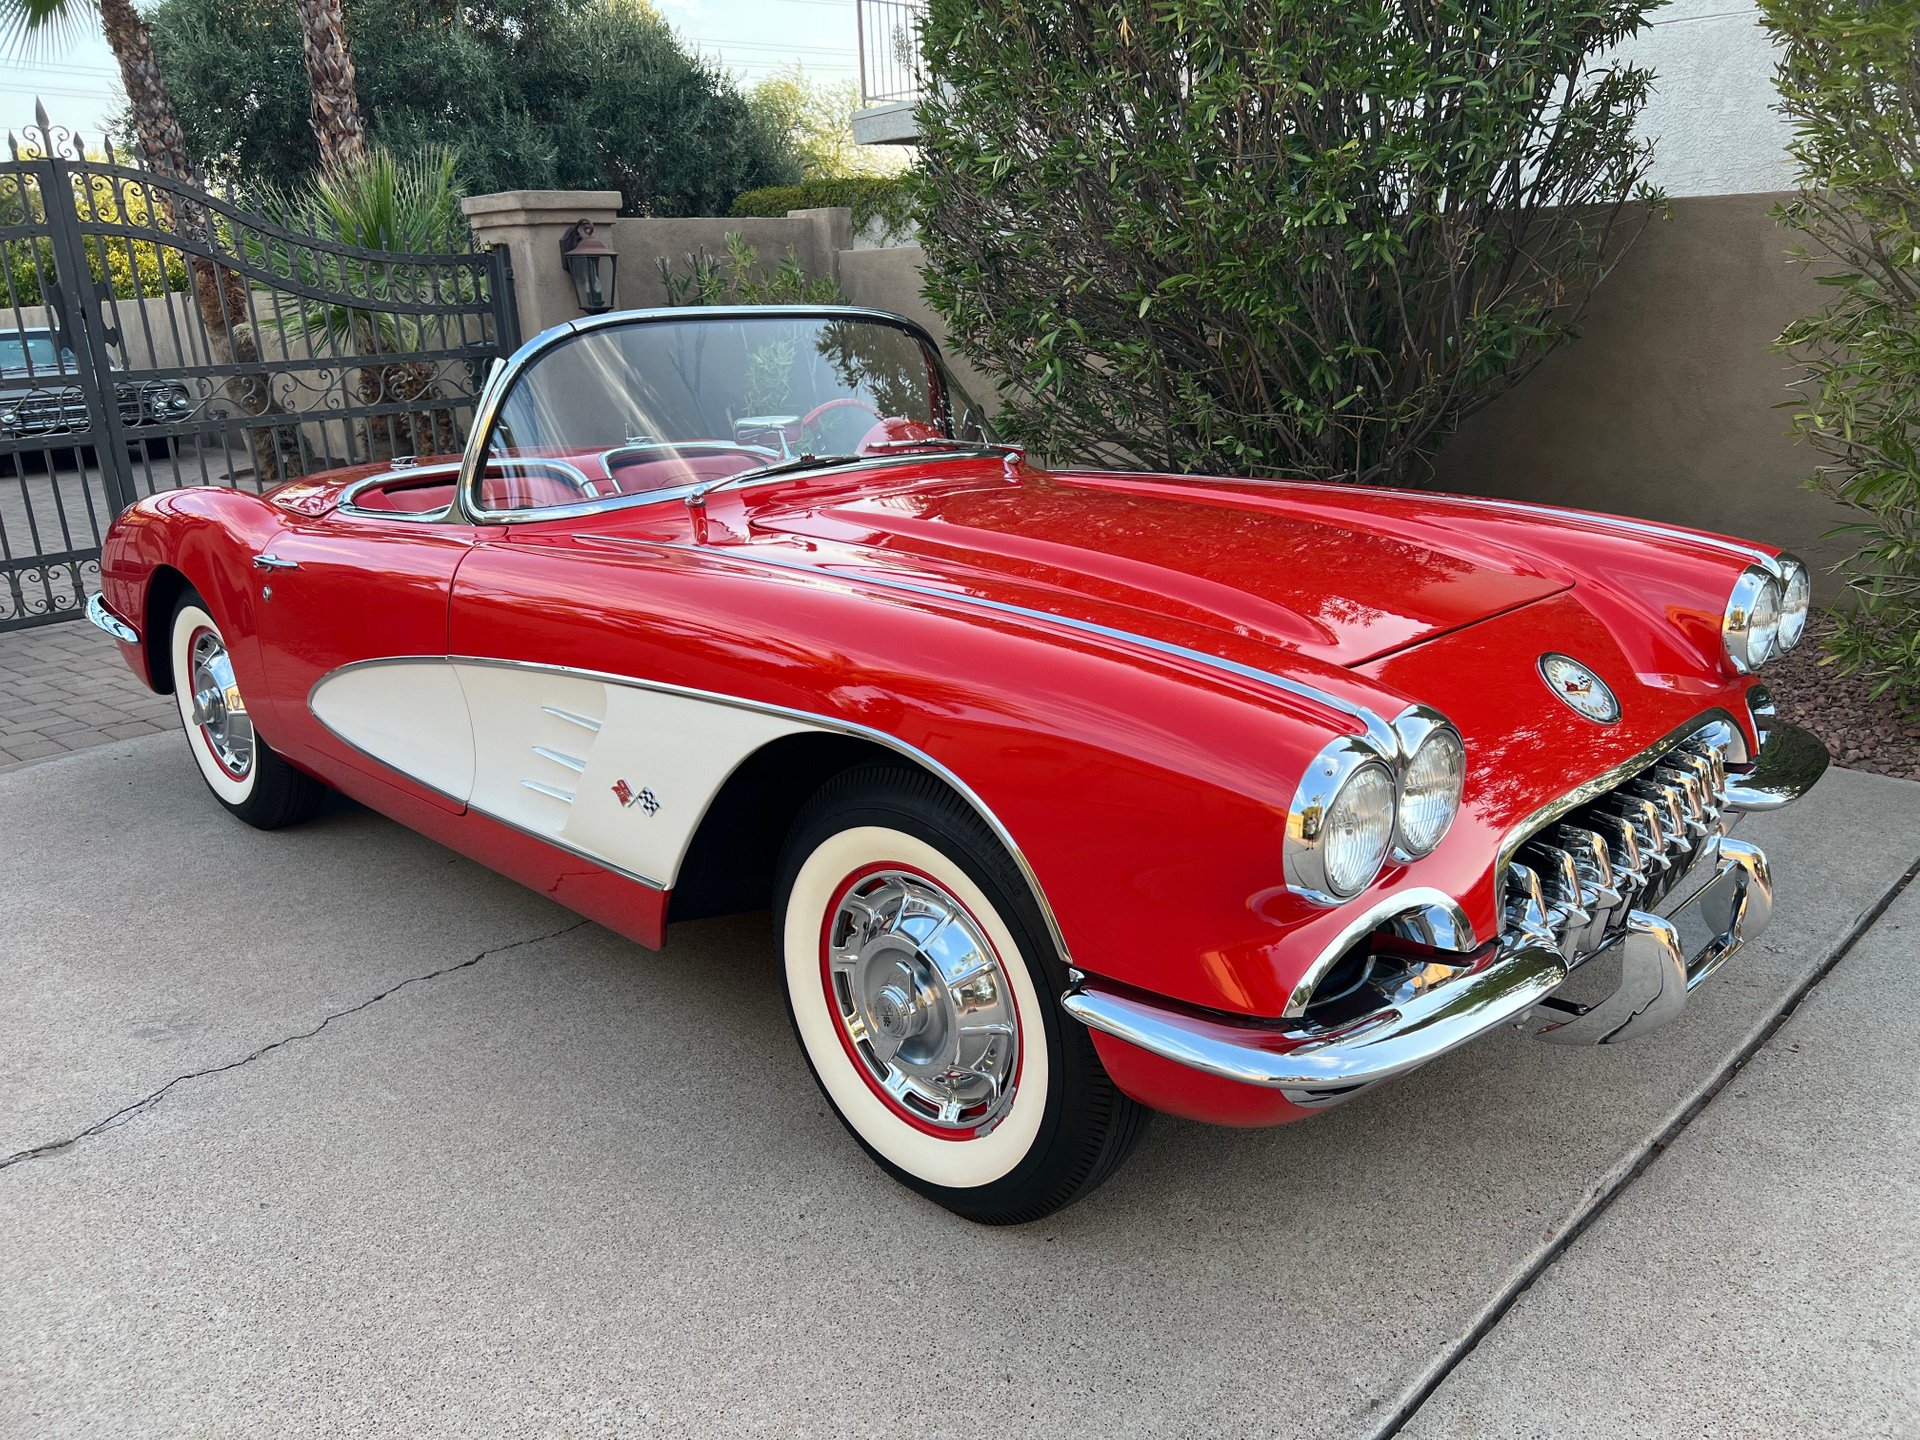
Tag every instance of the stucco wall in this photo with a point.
(1664, 408)
(1711, 113)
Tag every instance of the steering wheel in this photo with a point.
(825, 407)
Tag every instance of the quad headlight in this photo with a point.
(1767, 613)
(1355, 806)
(1431, 784)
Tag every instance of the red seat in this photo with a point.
(637, 477)
(523, 489)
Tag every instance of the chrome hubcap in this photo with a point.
(923, 1001)
(217, 707)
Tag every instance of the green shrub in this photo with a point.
(884, 197)
(1271, 236)
(1849, 78)
(703, 278)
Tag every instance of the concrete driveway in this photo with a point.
(331, 1132)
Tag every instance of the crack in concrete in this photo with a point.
(1602, 1199)
(145, 1102)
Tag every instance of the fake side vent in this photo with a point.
(1575, 881)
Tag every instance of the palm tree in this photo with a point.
(337, 125)
(220, 293)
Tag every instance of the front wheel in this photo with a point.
(246, 774)
(924, 991)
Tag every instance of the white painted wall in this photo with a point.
(1711, 114)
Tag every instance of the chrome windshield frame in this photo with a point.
(467, 506)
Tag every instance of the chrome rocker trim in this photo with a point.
(1511, 980)
(100, 615)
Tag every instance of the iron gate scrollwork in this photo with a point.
(154, 334)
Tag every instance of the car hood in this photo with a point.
(1286, 566)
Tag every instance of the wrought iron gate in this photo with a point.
(155, 335)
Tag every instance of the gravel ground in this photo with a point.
(1862, 733)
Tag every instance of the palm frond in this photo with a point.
(37, 29)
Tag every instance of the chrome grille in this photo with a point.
(1573, 883)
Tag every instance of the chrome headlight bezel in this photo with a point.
(1748, 646)
(1791, 628)
(1321, 787)
(1417, 728)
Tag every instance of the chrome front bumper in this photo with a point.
(1723, 899)
(100, 615)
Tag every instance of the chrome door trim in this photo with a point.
(1379, 733)
(785, 712)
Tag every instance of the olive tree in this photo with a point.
(1849, 78)
(1277, 236)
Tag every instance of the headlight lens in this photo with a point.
(1341, 823)
(1796, 598)
(1359, 828)
(1750, 626)
(1430, 791)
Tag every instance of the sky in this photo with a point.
(81, 84)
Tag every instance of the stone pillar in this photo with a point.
(531, 224)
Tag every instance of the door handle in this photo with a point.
(270, 561)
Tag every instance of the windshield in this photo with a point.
(35, 348)
(659, 404)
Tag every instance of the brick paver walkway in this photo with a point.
(64, 687)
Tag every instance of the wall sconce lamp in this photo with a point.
(590, 263)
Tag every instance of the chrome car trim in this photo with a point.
(1374, 1048)
(404, 466)
(1511, 980)
(493, 393)
(1424, 910)
(822, 722)
(1378, 731)
(1736, 630)
(1413, 727)
(1716, 727)
(1725, 544)
(101, 616)
(1303, 854)
(1791, 760)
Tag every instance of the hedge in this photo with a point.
(884, 197)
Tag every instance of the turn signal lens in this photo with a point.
(1430, 792)
(1796, 598)
(1359, 827)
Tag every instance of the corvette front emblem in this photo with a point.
(645, 799)
(1579, 688)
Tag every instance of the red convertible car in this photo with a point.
(1074, 794)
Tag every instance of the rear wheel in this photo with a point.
(924, 991)
(245, 773)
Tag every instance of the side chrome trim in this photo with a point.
(101, 616)
(822, 722)
(1379, 733)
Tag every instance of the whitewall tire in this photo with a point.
(924, 992)
(245, 774)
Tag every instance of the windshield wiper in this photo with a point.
(698, 497)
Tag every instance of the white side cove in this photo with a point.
(618, 772)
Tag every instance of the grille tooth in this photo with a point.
(1567, 914)
(1593, 865)
(1525, 907)
(1627, 849)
